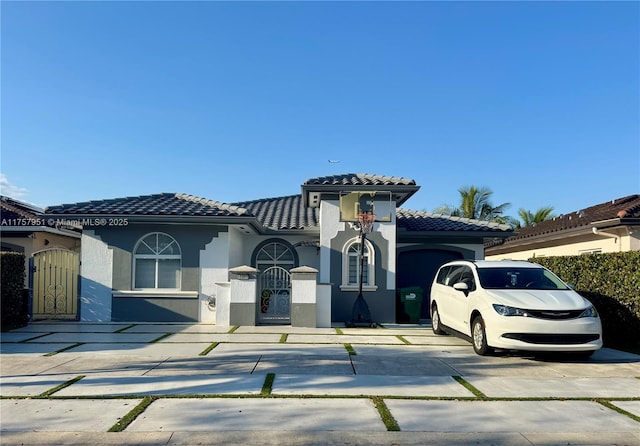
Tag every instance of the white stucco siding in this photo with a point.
(214, 266)
(388, 232)
(96, 278)
(330, 225)
(214, 263)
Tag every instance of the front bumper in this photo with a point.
(526, 333)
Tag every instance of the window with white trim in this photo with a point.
(351, 265)
(157, 262)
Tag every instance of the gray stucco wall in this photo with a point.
(382, 302)
(122, 240)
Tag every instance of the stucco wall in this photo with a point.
(574, 246)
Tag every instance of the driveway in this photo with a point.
(178, 384)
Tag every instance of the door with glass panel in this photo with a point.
(274, 260)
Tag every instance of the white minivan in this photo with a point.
(514, 305)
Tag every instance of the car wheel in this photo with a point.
(479, 337)
(435, 321)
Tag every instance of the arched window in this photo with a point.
(275, 253)
(157, 261)
(351, 264)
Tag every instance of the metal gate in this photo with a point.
(274, 296)
(55, 284)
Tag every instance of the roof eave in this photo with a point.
(613, 222)
(400, 193)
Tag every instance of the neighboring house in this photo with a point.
(285, 260)
(613, 226)
(51, 254)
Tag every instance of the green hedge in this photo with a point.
(611, 282)
(14, 299)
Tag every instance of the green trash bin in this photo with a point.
(411, 299)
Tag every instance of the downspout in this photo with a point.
(596, 231)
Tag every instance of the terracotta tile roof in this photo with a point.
(11, 209)
(425, 221)
(157, 204)
(360, 179)
(626, 207)
(283, 213)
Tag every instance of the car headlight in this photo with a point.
(589, 312)
(504, 310)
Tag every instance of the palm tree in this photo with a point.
(475, 203)
(531, 219)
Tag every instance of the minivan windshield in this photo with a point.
(519, 278)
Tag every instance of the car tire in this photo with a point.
(479, 337)
(435, 321)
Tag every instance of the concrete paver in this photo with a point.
(222, 337)
(98, 337)
(42, 349)
(408, 386)
(165, 385)
(630, 406)
(30, 385)
(71, 327)
(515, 387)
(508, 416)
(291, 414)
(342, 339)
(177, 328)
(138, 349)
(63, 415)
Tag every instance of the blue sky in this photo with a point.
(233, 101)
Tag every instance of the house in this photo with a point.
(613, 226)
(286, 260)
(51, 257)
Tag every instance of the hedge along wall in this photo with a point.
(13, 302)
(611, 282)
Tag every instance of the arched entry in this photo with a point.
(274, 259)
(274, 300)
(417, 268)
(55, 284)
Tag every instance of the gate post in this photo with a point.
(242, 300)
(304, 297)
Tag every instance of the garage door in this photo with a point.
(417, 269)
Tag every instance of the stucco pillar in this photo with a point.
(304, 297)
(323, 305)
(223, 302)
(242, 308)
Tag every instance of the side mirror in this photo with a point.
(461, 286)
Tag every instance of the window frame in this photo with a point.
(370, 259)
(157, 257)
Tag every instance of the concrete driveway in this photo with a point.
(179, 384)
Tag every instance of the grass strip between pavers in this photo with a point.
(35, 336)
(350, 349)
(403, 339)
(267, 387)
(125, 328)
(339, 331)
(160, 338)
(50, 392)
(125, 421)
(467, 385)
(206, 351)
(233, 329)
(77, 344)
(387, 418)
(610, 405)
(283, 338)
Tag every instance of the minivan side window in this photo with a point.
(442, 274)
(454, 274)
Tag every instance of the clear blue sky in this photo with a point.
(233, 101)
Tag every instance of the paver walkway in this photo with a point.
(178, 384)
